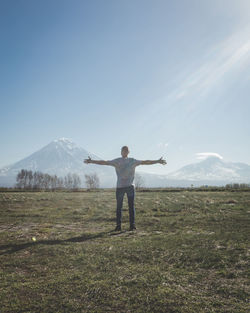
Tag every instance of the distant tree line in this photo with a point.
(34, 181)
(237, 186)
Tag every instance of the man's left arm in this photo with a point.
(150, 162)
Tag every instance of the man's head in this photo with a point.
(124, 151)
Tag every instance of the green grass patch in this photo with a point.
(190, 252)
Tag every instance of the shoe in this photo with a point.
(118, 228)
(132, 227)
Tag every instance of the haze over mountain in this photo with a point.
(62, 156)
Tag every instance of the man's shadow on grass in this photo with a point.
(11, 248)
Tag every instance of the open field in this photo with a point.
(189, 254)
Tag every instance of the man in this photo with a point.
(125, 170)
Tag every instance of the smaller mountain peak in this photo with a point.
(211, 157)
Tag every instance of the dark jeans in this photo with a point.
(130, 191)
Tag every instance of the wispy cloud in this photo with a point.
(204, 155)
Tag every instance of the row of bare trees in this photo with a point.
(28, 180)
(92, 181)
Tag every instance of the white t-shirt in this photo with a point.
(125, 170)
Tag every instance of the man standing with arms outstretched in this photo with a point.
(125, 170)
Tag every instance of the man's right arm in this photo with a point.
(100, 162)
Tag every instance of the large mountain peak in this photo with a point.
(60, 156)
(63, 140)
(64, 143)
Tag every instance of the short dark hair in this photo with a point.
(125, 148)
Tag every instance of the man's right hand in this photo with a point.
(87, 160)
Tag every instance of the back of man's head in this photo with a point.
(125, 148)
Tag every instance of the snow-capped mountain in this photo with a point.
(60, 157)
(57, 157)
(213, 169)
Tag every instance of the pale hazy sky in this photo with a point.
(166, 78)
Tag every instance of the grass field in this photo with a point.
(189, 254)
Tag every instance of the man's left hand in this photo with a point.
(162, 161)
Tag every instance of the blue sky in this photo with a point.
(166, 78)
